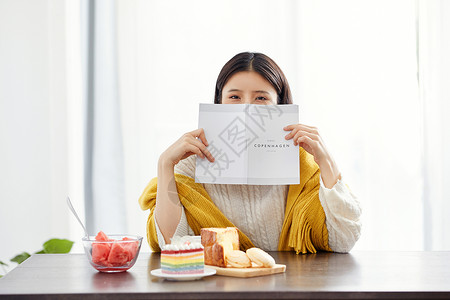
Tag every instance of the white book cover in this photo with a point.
(248, 144)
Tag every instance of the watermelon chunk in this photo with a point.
(100, 252)
(118, 256)
(131, 247)
(101, 236)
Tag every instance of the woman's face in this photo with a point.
(248, 87)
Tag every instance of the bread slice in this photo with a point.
(217, 242)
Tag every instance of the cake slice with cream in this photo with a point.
(184, 255)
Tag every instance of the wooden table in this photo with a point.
(325, 275)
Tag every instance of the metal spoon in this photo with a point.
(76, 216)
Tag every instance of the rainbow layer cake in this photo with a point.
(184, 255)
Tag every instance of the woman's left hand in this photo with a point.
(309, 139)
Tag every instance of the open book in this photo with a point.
(248, 144)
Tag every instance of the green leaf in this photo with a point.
(20, 258)
(40, 252)
(57, 246)
(1, 276)
(2, 263)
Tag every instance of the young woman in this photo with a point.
(320, 213)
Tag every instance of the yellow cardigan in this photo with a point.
(304, 229)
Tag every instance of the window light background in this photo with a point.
(352, 67)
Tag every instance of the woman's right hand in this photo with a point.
(190, 143)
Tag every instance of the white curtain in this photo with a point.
(40, 115)
(358, 85)
(104, 175)
(433, 36)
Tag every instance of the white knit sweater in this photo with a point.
(258, 211)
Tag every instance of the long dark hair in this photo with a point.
(257, 62)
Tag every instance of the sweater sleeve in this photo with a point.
(186, 167)
(342, 211)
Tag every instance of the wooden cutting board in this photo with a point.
(248, 272)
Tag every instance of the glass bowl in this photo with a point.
(116, 253)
